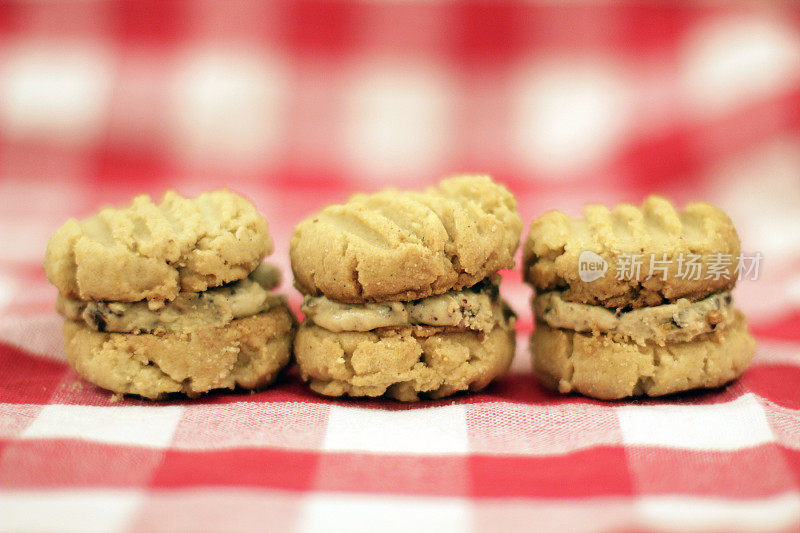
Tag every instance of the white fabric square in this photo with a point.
(683, 513)
(288, 425)
(15, 417)
(432, 430)
(36, 334)
(332, 513)
(396, 118)
(7, 289)
(728, 426)
(502, 428)
(65, 511)
(151, 426)
(57, 92)
(227, 107)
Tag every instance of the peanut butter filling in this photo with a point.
(679, 321)
(214, 307)
(478, 308)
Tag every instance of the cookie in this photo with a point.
(187, 312)
(171, 298)
(604, 368)
(403, 245)
(247, 352)
(404, 363)
(401, 291)
(701, 234)
(150, 251)
(610, 329)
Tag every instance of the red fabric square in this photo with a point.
(599, 471)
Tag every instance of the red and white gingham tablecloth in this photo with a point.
(102, 100)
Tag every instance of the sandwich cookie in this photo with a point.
(636, 300)
(401, 291)
(171, 297)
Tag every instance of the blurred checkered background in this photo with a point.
(299, 104)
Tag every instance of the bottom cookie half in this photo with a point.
(247, 352)
(599, 367)
(404, 362)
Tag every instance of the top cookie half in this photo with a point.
(153, 251)
(403, 245)
(633, 256)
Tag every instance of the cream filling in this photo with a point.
(477, 310)
(675, 322)
(214, 307)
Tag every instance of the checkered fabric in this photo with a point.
(300, 104)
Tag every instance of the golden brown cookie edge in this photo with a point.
(141, 365)
(599, 367)
(325, 359)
